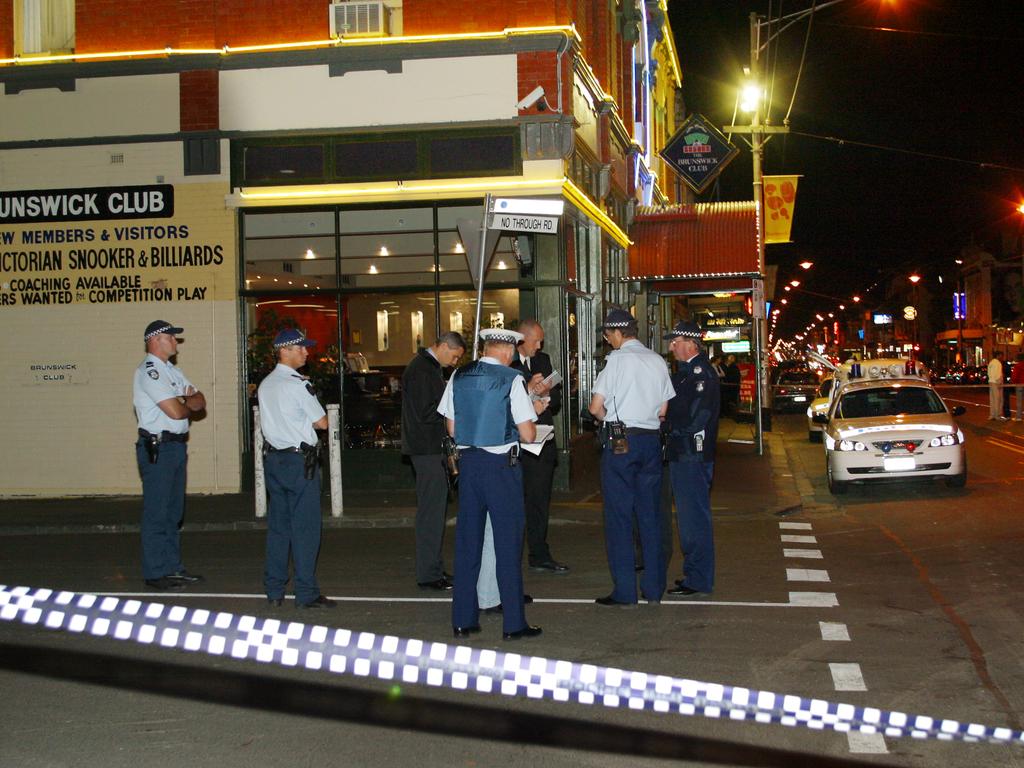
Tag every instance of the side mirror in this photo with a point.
(820, 418)
(959, 410)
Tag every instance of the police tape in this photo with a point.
(459, 667)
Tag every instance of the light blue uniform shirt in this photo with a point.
(154, 382)
(522, 406)
(634, 383)
(288, 408)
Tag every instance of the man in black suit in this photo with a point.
(538, 471)
(423, 430)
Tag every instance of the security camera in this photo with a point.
(536, 96)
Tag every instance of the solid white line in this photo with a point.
(866, 743)
(804, 574)
(847, 677)
(795, 526)
(793, 603)
(834, 631)
(1002, 444)
(789, 538)
(813, 599)
(809, 554)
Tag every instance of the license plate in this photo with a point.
(800, 399)
(900, 464)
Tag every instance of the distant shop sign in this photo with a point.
(698, 152)
(149, 201)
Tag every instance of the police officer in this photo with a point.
(631, 396)
(488, 412)
(289, 414)
(164, 401)
(692, 427)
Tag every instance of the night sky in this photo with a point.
(949, 84)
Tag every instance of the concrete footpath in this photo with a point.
(745, 484)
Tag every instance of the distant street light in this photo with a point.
(809, 264)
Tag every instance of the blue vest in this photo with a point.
(483, 411)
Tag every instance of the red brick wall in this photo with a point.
(112, 25)
(198, 95)
(426, 17)
(539, 69)
(6, 28)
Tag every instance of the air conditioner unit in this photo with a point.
(355, 19)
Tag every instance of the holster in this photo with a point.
(311, 459)
(153, 448)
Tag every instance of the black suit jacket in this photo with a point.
(541, 363)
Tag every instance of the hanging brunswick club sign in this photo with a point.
(150, 201)
(698, 152)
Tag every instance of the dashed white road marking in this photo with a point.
(813, 599)
(834, 631)
(847, 676)
(806, 574)
(789, 538)
(808, 554)
(866, 743)
(1004, 444)
(795, 526)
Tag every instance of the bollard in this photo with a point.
(334, 457)
(260, 482)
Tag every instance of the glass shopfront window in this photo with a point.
(374, 291)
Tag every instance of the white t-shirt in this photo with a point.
(995, 371)
(635, 383)
(288, 408)
(154, 382)
(522, 408)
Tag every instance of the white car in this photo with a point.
(887, 422)
(819, 405)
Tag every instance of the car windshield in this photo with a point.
(889, 401)
(802, 377)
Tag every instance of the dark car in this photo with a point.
(793, 390)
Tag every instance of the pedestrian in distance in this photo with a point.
(1007, 369)
(165, 401)
(488, 412)
(423, 434)
(692, 432)
(1017, 379)
(290, 414)
(731, 384)
(630, 398)
(995, 387)
(539, 470)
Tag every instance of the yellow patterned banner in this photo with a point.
(779, 200)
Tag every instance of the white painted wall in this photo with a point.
(426, 91)
(102, 106)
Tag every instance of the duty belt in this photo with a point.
(641, 431)
(293, 449)
(165, 436)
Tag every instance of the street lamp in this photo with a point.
(915, 279)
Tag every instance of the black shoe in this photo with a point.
(527, 631)
(441, 585)
(318, 602)
(649, 601)
(165, 584)
(185, 577)
(275, 602)
(609, 600)
(465, 631)
(682, 591)
(550, 566)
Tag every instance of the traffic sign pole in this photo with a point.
(485, 257)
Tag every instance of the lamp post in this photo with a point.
(915, 279)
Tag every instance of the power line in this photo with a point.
(915, 153)
(925, 33)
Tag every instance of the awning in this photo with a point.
(699, 241)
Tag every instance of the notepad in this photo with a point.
(545, 432)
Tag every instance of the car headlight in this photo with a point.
(949, 439)
(850, 445)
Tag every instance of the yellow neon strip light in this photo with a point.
(585, 204)
(227, 50)
(409, 188)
